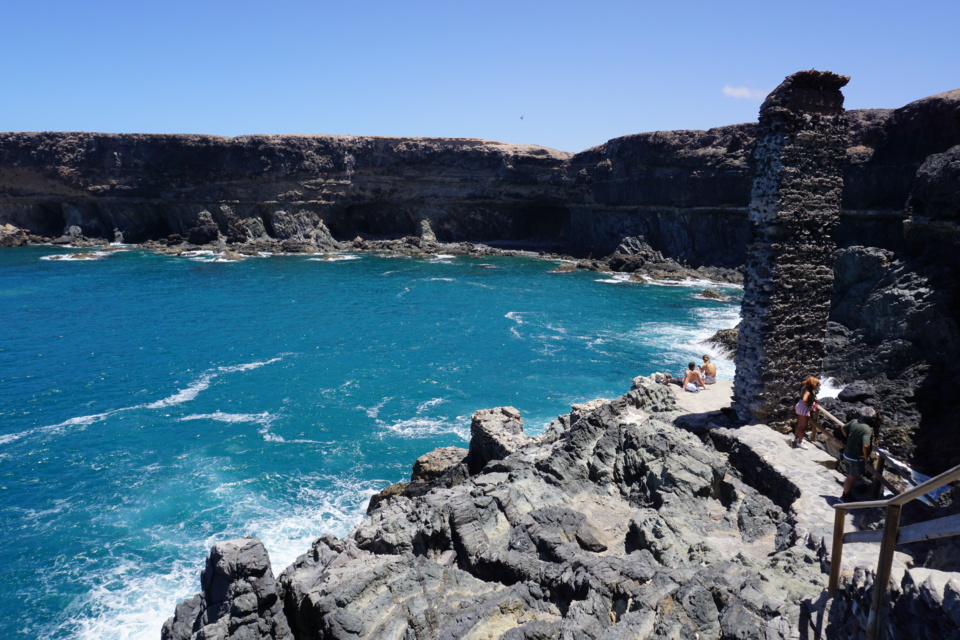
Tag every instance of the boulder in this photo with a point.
(713, 294)
(858, 391)
(494, 434)
(431, 466)
(426, 232)
(726, 339)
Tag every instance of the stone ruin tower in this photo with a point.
(794, 208)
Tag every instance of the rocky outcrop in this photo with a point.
(789, 272)
(934, 205)
(925, 603)
(239, 600)
(613, 524)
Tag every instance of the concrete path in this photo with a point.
(805, 479)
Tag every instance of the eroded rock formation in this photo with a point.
(613, 524)
(239, 600)
(789, 272)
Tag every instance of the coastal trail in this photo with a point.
(804, 482)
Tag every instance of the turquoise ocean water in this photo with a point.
(153, 405)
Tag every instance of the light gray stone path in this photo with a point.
(806, 479)
(810, 475)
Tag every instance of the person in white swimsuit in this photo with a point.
(709, 371)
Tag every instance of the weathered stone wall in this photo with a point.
(795, 206)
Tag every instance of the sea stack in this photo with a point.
(794, 208)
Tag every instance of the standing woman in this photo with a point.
(806, 406)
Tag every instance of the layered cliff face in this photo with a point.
(149, 187)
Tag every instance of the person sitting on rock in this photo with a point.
(853, 460)
(709, 371)
(692, 380)
(805, 407)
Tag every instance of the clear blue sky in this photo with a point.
(579, 73)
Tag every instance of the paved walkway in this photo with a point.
(811, 472)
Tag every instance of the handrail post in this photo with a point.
(837, 553)
(890, 529)
(814, 425)
(877, 487)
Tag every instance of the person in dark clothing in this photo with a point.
(855, 454)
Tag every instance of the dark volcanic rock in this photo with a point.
(239, 600)
(494, 434)
(894, 327)
(205, 231)
(618, 526)
(727, 340)
(713, 294)
(789, 273)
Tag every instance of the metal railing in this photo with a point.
(890, 537)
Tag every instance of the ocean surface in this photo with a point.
(152, 405)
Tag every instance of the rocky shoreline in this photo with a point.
(633, 256)
(627, 518)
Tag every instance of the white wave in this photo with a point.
(423, 406)
(691, 282)
(184, 395)
(336, 507)
(264, 419)
(129, 601)
(421, 427)
(441, 256)
(80, 256)
(203, 383)
(335, 257)
(517, 317)
(441, 279)
(250, 366)
(13, 437)
(374, 411)
(829, 388)
(614, 278)
(84, 421)
(343, 389)
(233, 418)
